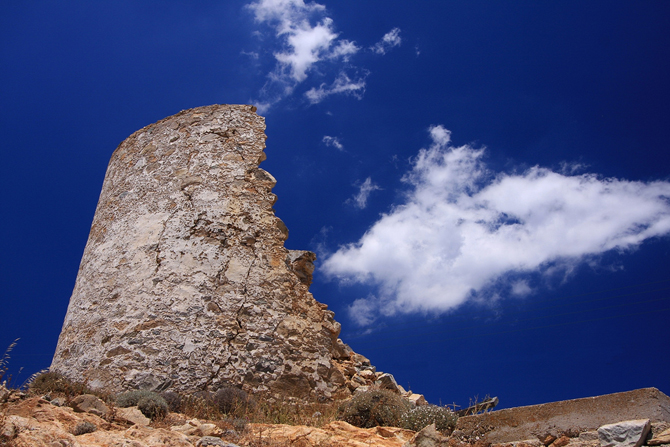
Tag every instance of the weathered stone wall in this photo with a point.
(185, 283)
(567, 417)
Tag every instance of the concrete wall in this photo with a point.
(565, 417)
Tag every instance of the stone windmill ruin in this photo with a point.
(185, 283)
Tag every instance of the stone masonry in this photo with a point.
(185, 283)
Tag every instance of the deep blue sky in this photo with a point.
(571, 87)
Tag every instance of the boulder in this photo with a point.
(88, 403)
(661, 438)
(367, 375)
(624, 434)
(428, 437)
(416, 399)
(35, 423)
(132, 415)
(387, 382)
(194, 427)
(58, 401)
(213, 441)
(560, 442)
(13, 425)
(338, 433)
(547, 439)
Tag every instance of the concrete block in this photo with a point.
(569, 417)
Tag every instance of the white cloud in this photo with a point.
(344, 49)
(307, 45)
(390, 40)
(343, 84)
(251, 54)
(304, 44)
(360, 200)
(363, 311)
(334, 142)
(520, 288)
(467, 233)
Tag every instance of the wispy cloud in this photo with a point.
(465, 232)
(520, 288)
(333, 142)
(307, 37)
(390, 40)
(360, 199)
(343, 84)
(250, 54)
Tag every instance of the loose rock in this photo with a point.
(132, 415)
(88, 403)
(416, 399)
(624, 434)
(428, 437)
(662, 438)
(387, 382)
(213, 441)
(561, 442)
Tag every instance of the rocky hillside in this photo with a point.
(88, 421)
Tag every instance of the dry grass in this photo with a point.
(5, 383)
(261, 411)
(4, 365)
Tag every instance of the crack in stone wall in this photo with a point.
(185, 283)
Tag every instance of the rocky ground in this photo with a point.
(37, 422)
(628, 419)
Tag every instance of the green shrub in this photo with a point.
(420, 417)
(174, 401)
(151, 404)
(153, 407)
(53, 382)
(131, 398)
(232, 400)
(374, 408)
(84, 427)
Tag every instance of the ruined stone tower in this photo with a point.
(185, 283)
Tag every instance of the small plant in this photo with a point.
(420, 417)
(4, 365)
(153, 407)
(151, 404)
(174, 401)
(479, 406)
(237, 424)
(374, 408)
(53, 382)
(199, 405)
(131, 398)
(6, 435)
(84, 427)
(33, 376)
(5, 359)
(231, 400)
